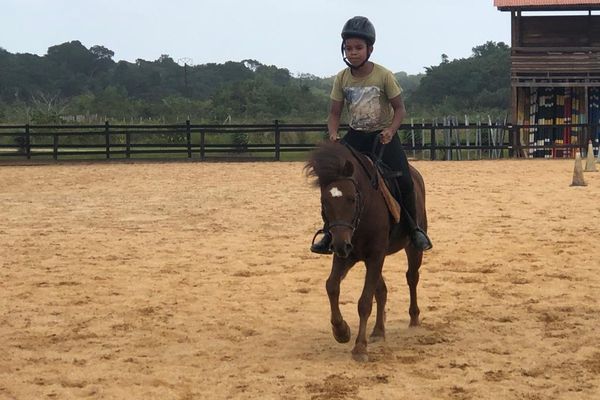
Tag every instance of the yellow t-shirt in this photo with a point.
(367, 98)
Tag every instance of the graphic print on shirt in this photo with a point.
(363, 106)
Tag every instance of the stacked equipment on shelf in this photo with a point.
(555, 106)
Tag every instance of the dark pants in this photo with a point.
(394, 157)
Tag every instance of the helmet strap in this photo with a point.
(348, 63)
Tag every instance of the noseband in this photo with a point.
(358, 206)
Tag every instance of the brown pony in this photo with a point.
(362, 230)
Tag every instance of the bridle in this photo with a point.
(358, 208)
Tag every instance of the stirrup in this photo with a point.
(420, 239)
(322, 246)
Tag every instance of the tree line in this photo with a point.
(74, 83)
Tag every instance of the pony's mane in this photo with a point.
(326, 163)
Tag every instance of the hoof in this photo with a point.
(414, 322)
(377, 336)
(359, 353)
(360, 356)
(341, 334)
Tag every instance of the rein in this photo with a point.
(360, 158)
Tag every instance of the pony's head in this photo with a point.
(333, 169)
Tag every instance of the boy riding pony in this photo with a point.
(376, 110)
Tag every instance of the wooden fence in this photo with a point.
(278, 141)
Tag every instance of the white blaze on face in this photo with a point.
(335, 192)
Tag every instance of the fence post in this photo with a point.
(432, 144)
(586, 137)
(412, 137)
(515, 147)
(55, 146)
(128, 144)
(27, 141)
(188, 134)
(107, 138)
(202, 145)
(277, 141)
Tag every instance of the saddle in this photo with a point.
(383, 186)
(383, 180)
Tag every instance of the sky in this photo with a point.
(302, 36)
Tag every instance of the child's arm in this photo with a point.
(399, 114)
(333, 122)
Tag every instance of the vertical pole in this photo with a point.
(277, 141)
(55, 146)
(202, 145)
(432, 144)
(478, 141)
(107, 138)
(468, 133)
(422, 139)
(449, 139)
(586, 128)
(587, 134)
(188, 133)
(514, 149)
(412, 136)
(27, 142)
(458, 142)
(128, 144)
(491, 138)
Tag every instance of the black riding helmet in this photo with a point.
(358, 27)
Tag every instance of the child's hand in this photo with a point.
(386, 135)
(334, 137)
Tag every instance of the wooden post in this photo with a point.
(432, 144)
(107, 139)
(188, 134)
(412, 137)
(202, 145)
(468, 139)
(515, 148)
(27, 142)
(55, 146)
(586, 128)
(128, 144)
(277, 141)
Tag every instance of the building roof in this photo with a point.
(543, 5)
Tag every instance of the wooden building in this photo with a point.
(555, 71)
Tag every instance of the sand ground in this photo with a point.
(194, 281)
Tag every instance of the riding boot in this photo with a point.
(323, 246)
(418, 236)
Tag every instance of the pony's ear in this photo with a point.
(348, 169)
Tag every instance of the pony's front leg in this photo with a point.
(381, 298)
(365, 305)
(339, 269)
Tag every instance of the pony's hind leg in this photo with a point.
(378, 333)
(415, 257)
(339, 327)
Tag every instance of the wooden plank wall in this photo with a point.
(560, 31)
(556, 45)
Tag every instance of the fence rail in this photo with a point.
(278, 141)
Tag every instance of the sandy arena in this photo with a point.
(194, 281)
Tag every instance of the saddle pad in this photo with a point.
(391, 202)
